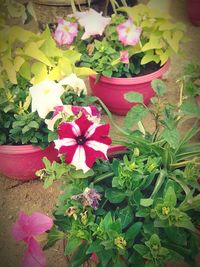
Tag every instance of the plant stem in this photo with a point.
(182, 163)
(103, 176)
(159, 183)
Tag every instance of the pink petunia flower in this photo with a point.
(66, 111)
(124, 57)
(65, 32)
(90, 197)
(128, 33)
(93, 22)
(82, 142)
(26, 228)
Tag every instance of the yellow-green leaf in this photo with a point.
(1, 83)
(154, 43)
(20, 34)
(25, 70)
(65, 67)
(83, 71)
(149, 56)
(32, 50)
(10, 69)
(27, 102)
(72, 55)
(173, 39)
(55, 74)
(164, 55)
(18, 61)
(40, 72)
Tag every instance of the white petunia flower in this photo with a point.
(76, 83)
(45, 96)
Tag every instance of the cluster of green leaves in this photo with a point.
(190, 82)
(150, 201)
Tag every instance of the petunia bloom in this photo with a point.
(82, 142)
(124, 58)
(67, 111)
(27, 228)
(90, 197)
(75, 83)
(93, 22)
(65, 32)
(45, 96)
(128, 33)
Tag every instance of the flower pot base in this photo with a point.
(112, 90)
(21, 162)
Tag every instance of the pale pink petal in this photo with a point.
(34, 256)
(128, 33)
(65, 32)
(28, 226)
(124, 57)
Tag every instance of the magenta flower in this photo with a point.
(128, 33)
(90, 197)
(82, 142)
(65, 32)
(93, 22)
(27, 228)
(124, 58)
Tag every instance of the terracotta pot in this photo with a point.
(21, 162)
(111, 90)
(193, 11)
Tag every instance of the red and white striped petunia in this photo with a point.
(82, 142)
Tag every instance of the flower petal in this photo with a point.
(99, 133)
(68, 130)
(65, 142)
(79, 159)
(34, 256)
(83, 123)
(92, 155)
(28, 226)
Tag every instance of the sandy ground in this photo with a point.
(31, 196)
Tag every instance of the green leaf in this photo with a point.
(72, 244)
(136, 114)
(133, 231)
(159, 87)
(170, 197)
(134, 97)
(10, 69)
(126, 216)
(33, 124)
(107, 73)
(141, 249)
(114, 195)
(79, 174)
(80, 256)
(171, 136)
(53, 236)
(146, 202)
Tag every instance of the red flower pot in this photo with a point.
(193, 11)
(111, 90)
(21, 162)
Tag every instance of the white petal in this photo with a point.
(64, 142)
(98, 146)
(91, 130)
(79, 159)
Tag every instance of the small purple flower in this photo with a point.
(90, 197)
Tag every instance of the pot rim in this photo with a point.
(134, 80)
(18, 149)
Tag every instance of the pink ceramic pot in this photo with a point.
(21, 162)
(193, 11)
(111, 90)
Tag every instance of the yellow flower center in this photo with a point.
(128, 30)
(46, 91)
(66, 28)
(165, 210)
(120, 242)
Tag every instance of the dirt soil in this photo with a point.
(31, 196)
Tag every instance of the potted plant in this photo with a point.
(127, 50)
(31, 66)
(139, 207)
